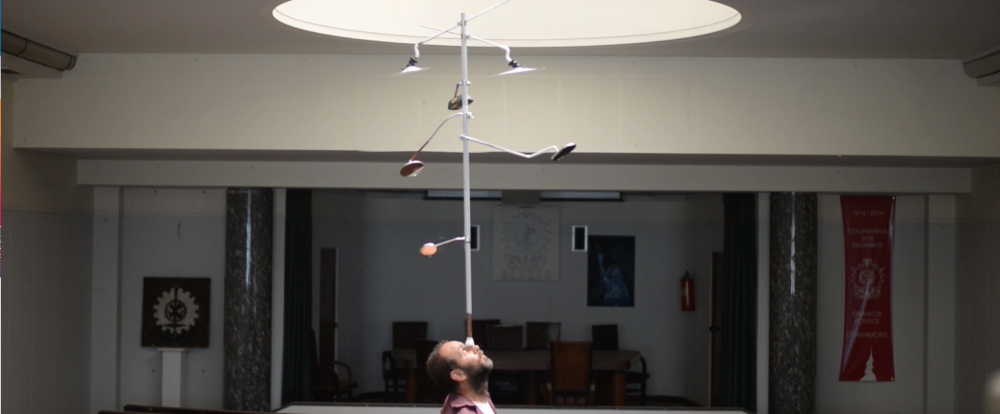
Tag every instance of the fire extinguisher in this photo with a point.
(687, 293)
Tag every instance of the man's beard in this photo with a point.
(479, 377)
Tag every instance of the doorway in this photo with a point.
(328, 306)
(716, 330)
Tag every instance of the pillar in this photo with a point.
(793, 262)
(247, 312)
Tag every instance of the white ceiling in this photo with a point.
(913, 29)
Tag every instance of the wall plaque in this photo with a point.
(175, 312)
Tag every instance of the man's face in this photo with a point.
(473, 366)
(470, 359)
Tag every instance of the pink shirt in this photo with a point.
(458, 404)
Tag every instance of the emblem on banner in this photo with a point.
(867, 280)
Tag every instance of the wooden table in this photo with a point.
(613, 364)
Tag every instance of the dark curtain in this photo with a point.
(296, 359)
(739, 309)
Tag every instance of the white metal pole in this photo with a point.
(466, 198)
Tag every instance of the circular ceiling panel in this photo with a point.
(519, 23)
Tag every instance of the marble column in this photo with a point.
(247, 313)
(792, 373)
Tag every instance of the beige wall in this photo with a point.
(983, 204)
(606, 105)
(35, 181)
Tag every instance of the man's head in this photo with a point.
(452, 364)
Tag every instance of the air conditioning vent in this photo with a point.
(984, 67)
(14, 45)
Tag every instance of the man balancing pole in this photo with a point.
(463, 371)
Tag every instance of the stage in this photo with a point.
(318, 408)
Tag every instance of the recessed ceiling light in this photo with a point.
(520, 23)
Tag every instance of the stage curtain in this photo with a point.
(296, 374)
(739, 326)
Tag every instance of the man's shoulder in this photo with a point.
(459, 404)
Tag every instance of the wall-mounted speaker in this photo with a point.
(475, 238)
(579, 238)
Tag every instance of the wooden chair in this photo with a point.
(571, 380)
(394, 377)
(506, 387)
(427, 391)
(606, 339)
(542, 334)
(635, 382)
(479, 331)
(326, 382)
(505, 338)
(404, 334)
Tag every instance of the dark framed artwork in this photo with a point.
(176, 312)
(611, 271)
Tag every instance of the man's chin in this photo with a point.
(488, 364)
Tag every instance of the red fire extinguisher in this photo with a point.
(687, 293)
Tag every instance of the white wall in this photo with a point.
(605, 104)
(46, 294)
(977, 310)
(46, 311)
(36, 181)
(106, 290)
(171, 233)
(382, 278)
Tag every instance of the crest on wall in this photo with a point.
(175, 312)
(867, 279)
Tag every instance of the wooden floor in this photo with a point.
(651, 400)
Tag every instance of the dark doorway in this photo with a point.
(328, 306)
(716, 328)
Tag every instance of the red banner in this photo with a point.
(868, 231)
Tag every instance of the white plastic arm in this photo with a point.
(450, 241)
(505, 48)
(519, 154)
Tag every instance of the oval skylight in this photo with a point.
(519, 23)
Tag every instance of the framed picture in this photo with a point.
(611, 271)
(526, 243)
(175, 312)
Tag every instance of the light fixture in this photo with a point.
(521, 24)
(461, 101)
(455, 104)
(415, 166)
(558, 153)
(430, 249)
(517, 68)
(412, 67)
(564, 152)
